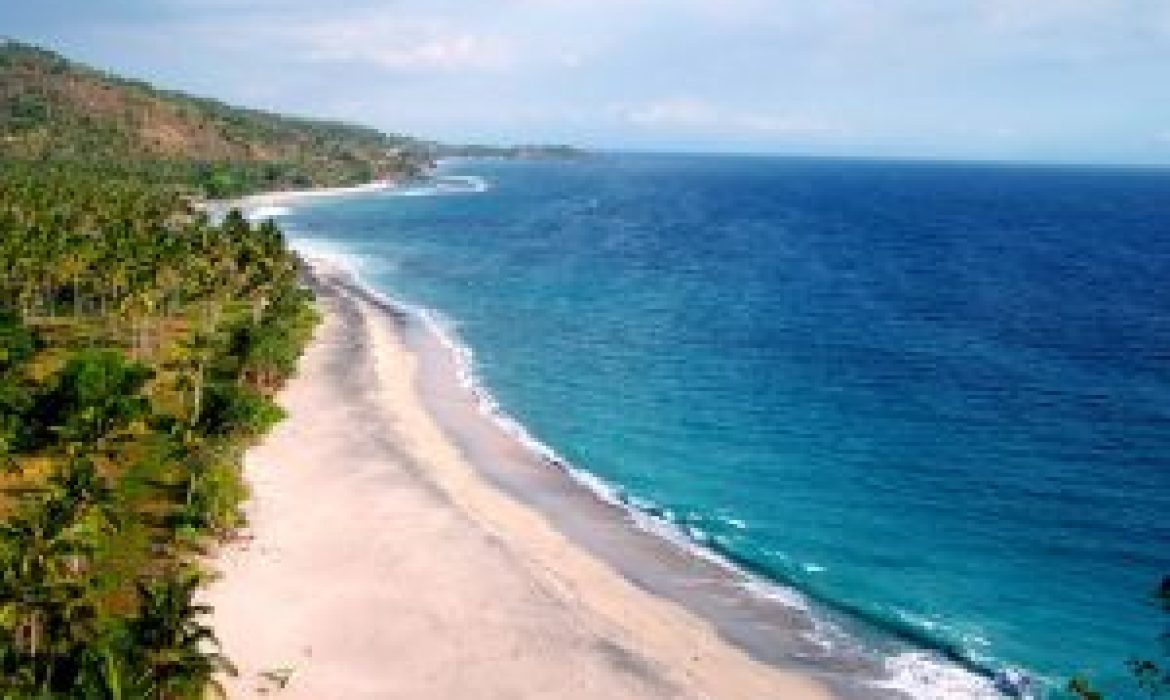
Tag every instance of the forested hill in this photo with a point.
(141, 346)
(54, 109)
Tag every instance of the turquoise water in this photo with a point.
(934, 397)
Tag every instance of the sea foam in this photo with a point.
(923, 675)
(264, 212)
(919, 674)
(443, 185)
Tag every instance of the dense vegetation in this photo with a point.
(54, 109)
(140, 345)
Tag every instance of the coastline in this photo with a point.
(282, 197)
(380, 562)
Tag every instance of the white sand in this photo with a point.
(266, 205)
(383, 566)
(284, 197)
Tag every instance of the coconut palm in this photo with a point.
(134, 459)
(169, 630)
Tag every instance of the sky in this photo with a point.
(1033, 80)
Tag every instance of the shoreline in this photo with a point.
(383, 563)
(265, 205)
(281, 197)
(772, 623)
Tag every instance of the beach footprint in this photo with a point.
(275, 680)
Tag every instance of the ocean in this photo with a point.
(929, 400)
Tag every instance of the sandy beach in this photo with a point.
(378, 563)
(267, 205)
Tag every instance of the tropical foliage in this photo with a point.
(140, 346)
(52, 109)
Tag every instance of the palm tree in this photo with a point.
(68, 627)
(42, 586)
(75, 263)
(196, 351)
(175, 640)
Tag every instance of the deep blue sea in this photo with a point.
(935, 397)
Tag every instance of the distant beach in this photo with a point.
(378, 563)
(268, 205)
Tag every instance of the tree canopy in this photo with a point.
(140, 347)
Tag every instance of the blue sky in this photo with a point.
(1064, 80)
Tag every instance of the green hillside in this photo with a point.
(141, 346)
(56, 110)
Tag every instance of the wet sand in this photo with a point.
(380, 563)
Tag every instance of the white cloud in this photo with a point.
(1010, 16)
(686, 112)
(692, 114)
(419, 45)
(894, 76)
(571, 59)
